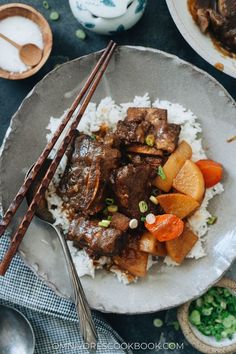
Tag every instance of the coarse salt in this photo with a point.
(22, 31)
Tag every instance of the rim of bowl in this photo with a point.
(211, 58)
(45, 29)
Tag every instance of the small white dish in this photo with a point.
(17, 9)
(199, 341)
(108, 16)
(200, 42)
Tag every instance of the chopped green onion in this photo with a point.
(109, 201)
(80, 34)
(143, 218)
(158, 322)
(176, 325)
(224, 334)
(207, 311)
(143, 207)
(214, 314)
(109, 217)
(226, 292)
(150, 218)
(212, 220)
(195, 317)
(209, 298)
(46, 5)
(199, 302)
(223, 305)
(153, 199)
(133, 224)
(112, 208)
(93, 136)
(150, 140)
(229, 321)
(54, 16)
(104, 223)
(161, 173)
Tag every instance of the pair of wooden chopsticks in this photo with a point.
(85, 94)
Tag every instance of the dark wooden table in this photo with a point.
(156, 29)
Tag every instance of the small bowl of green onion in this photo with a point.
(209, 322)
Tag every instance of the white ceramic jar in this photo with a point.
(108, 16)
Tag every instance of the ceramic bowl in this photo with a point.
(203, 343)
(200, 42)
(17, 9)
(108, 16)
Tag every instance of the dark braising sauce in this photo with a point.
(218, 36)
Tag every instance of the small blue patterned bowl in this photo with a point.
(108, 16)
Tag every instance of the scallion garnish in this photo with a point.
(176, 325)
(109, 201)
(195, 317)
(153, 200)
(133, 224)
(109, 217)
(161, 173)
(54, 16)
(150, 140)
(104, 223)
(214, 314)
(46, 5)
(158, 322)
(143, 218)
(112, 208)
(212, 220)
(80, 34)
(207, 311)
(150, 218)
(143, 207)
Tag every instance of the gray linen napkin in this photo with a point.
(54, 319)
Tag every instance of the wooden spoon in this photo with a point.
(29, 53)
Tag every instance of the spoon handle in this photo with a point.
(10, 41)
(87, 327)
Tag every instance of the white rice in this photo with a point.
(108, 112)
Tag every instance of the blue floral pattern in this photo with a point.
(119, 29)
(108, 3)
(141, 6)
(89, 25)
(100, 24)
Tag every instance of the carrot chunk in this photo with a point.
(166, 227)
(212, 172)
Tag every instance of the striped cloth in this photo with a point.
(54, 319)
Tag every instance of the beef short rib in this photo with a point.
(82, 187)
(99, 241)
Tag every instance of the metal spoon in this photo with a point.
(87, 327)
(29, 53)
(16, 333)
